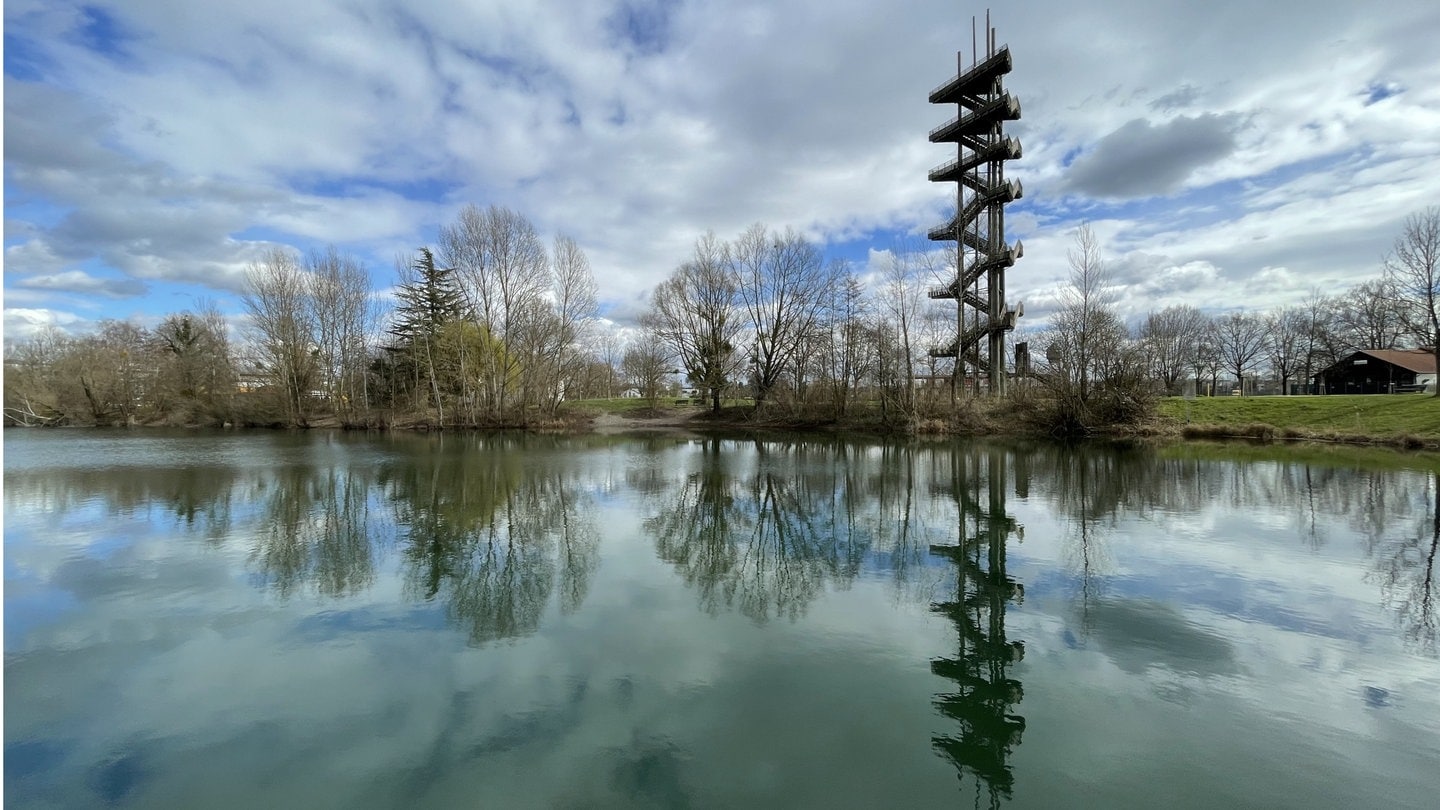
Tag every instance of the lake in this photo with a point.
(271, 619)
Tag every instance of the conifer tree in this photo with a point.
(428, 301)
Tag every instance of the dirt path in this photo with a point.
(668, 421)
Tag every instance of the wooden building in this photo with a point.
(1379, 371)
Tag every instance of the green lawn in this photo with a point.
(1382, 415)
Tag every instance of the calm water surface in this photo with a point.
(324, 620)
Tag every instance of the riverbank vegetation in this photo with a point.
(492, 327)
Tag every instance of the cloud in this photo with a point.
(1138, 634)
(80, 282)
(1180, 98)
(23, 323)
(1142, 159)
(171, 149)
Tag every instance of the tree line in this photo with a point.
(492, 327)
(489, 327)
(1096, 371)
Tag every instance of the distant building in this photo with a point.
(1379, 371)
(249, 381)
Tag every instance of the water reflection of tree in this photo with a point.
(757, 541)
(198, 496)
(984, 691)
(1388, 505)
(491, 535)
(1392, 510)
(765, 526)
(316, 530)
(647, 473)
(1092, 489)
(695, 533)
(1406, 568)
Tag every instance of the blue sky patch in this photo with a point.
(643, 27)
(30, 605)
(1379, 91)
(24, 59)
(102, 33)
(33, 210)
(421, 189)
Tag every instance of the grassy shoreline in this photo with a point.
(1410, 421)
(1399, 421)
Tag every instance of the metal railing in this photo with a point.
(1002, 55)
(1006, 106)
(1007, 149)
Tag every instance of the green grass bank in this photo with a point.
(1411, 420)
(1401, 420)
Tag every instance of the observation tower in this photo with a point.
(981, 254)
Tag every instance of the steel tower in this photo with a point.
(978, 227)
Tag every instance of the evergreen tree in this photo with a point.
(429, 300)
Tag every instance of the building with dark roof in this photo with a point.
(1379, 371)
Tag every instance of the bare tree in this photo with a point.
(1239, 339)
(196, 376)
(343, 315)
(1286, 331)
(846, 360)
(1371, 315)
(779, 280)
(1171, 338)
(895, 325)
(694, 313)
(1086, 330)
(32, 392)
(503, 273)
(1323, 342)
(1208, 360)
(1094, 374)
(123, 352)
(102, 378)
(609, 350)
(276, 298)
(646, 364)
(575, 308)
(1413, 267)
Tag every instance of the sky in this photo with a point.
(1229, 155)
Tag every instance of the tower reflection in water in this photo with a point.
(984, 693)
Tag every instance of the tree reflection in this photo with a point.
(1378, 497)
(695, 533)
(1406, 567)
(489, 536)
(763, 526)
(984, 691)
(198, 496)
(1093, 487)
(316, 530)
